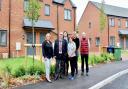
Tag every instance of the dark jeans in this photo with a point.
(59, 69)
(72, 63)
(76, 64)
(76, 61)
(84, 59)
(66, 65)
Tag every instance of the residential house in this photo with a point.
(15, 29)
(115, 32)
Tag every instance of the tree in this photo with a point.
(102, 17)
(33, 14)
(102, 20)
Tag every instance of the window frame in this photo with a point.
(26, 2)
(97, 44)
(67, 12)
(111, 41)
(5, 45)
(47, 14)
(126, 23)
(119, 23)
(112, 22)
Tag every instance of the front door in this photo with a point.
(30, 41)
(122, 42)
(127, 42)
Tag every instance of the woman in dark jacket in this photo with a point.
(65, 36)
(47, 50)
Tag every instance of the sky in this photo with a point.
(81, 5)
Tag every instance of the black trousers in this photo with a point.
(60, 64)
(66, 65)
(76, 64)
(84, 59)
(72, 63)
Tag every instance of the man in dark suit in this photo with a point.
(60, 51)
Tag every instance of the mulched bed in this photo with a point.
(17, 82)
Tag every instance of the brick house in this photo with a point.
(116, 29)
(15, 29)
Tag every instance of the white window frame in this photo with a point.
(67, 14)
(111, 22)
(47, 10)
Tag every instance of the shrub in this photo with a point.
(36, 70)
(5, 74)
(52, 69)
(18, 72)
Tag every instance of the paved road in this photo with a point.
(119, 83)
(96, 75)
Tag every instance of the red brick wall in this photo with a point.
(17, 16)
(4, 22)
(91, 14)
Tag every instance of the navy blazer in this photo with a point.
(64, 48)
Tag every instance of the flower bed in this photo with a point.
(20, 71)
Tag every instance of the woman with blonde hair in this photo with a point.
(71, 55)
(47, 50)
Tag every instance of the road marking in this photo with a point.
(109, 79)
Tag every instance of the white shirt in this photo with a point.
(71, 49)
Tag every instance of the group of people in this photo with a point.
(65, 50)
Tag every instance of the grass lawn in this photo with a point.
(14, 63)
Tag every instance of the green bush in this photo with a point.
(52, 69)
(35, 70)
(18, 72)
(103, 58)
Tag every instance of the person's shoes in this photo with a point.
(56, 78)
(86, 74)
(48, 80)
(71, 78)
(82, 73)
(62, 77)
(76, 72)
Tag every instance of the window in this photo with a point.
(126, 23)
(3, 38)
(47, 10)
(0, 4)
(119, 23)
(67, 14)
(90, 40)
(111, 22)
(112, 41)
(90, 25)
(26, 4)
(42, 37)
(97, 41)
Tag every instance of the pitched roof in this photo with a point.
(63, 1)
(113, 10)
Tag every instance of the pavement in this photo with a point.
(96, 75)
(119, 83)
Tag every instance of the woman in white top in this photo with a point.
(71, 55)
